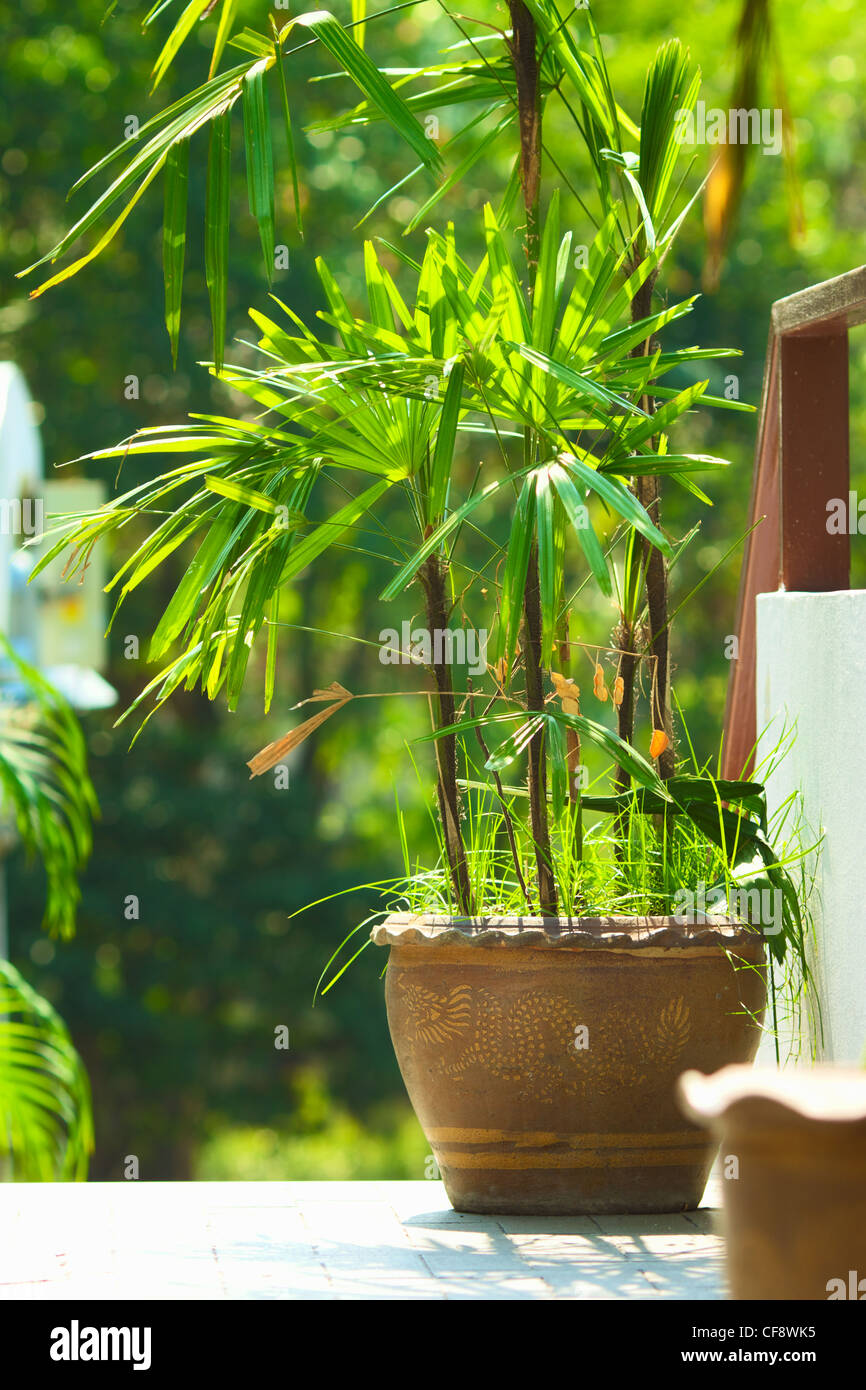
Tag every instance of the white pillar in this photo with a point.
(811, 672)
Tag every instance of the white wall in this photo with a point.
(811, 670)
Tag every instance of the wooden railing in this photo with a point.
(801, 462)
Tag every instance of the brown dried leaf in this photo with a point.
(335, 691)
(274, 752)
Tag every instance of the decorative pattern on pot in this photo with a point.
(517, 1042)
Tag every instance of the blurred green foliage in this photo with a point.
(175, 1012)
(322, 1141)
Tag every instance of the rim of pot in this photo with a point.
(404, 928)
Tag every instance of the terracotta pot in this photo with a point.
(541, 1054)
(794, 1146)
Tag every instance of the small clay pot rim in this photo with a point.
(621, 933)
(803, 1095)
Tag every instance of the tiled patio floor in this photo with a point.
(325, 1240)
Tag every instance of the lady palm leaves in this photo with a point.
(552, 494)
(46, 1126)
(648, 172)
(577, 514)
(435, 541)
(550, 279)
(517, 565)
(667, 92)
(475, 70)
(363, 406)
(290, 136)
(516, 743)
(476, 152)
(364, 73)
(164, 140)
(480, 71)
(436, 483)
(586, 77)
(46, 790)
(157, 142)
(178, 122)
(554, 369)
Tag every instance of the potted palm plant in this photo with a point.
(542, 992)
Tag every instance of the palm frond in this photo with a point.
(247, 493)
(46, 789)
(158, 144)
(46, 1124)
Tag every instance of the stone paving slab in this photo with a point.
(335, 1240)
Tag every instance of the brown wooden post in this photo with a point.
(801, 464)
(814, 457)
